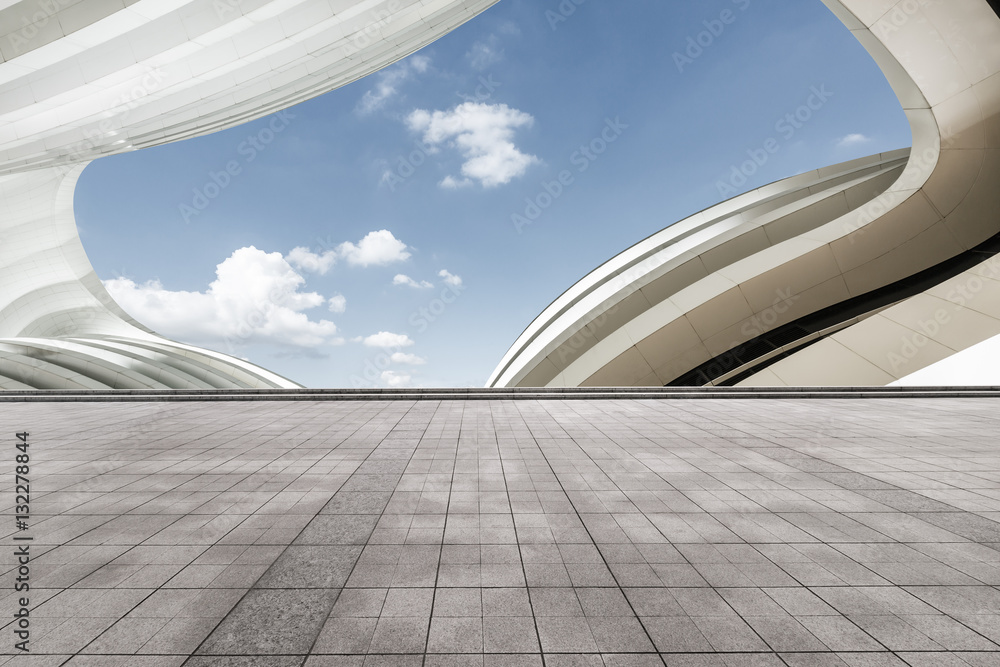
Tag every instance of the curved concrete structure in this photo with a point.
(80, 79)
(794, 283)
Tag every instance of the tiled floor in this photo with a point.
(626, 533)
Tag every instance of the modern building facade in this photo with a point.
(857, 274)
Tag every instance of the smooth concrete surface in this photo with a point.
(712, 533)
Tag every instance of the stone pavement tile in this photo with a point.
(245, 661)
(631, 660)
(701, 602)
(196, 576)
(722, 574)
(634, 574)
(510, 634)
(885, 659)
(460, 575)
(939, 659)
(70, 635)
(169, 603)
(672, 634)
(988, 625)
(694, 660)
(752, 660)
(501, 575)
(573, 660)
(359, 603)
(400, 635)
(181, 634)
(237, 576)
(310, 567)
(456, 635)
(603, 602)
(125, 660)
(751, 602)
(977, 659)
(729, 634)
(894, 633)
(453, 660)
(126, 636)
(651, 553)
(560, 634)
(590, 574)
(335, 661)
(337, 529)
(784, 634)
(272, 622)
(653, 602)
(357, 502)
(969, 526)
(678, 574)
(345, 635)
(851, 601)
(34, 660)
(800, 602)
(547, 602)
(949, 633)
(839, 634)
(408, 602)
(512, 660)
(813, 660)
(459, 602)
(506, 602)
(546, 574)
(619, 634)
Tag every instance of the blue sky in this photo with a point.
(383, 234)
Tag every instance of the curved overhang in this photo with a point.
(728, 275)
(83, 80)
(87, 79)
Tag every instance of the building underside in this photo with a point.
(857, 274)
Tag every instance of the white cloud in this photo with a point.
(386, 339)
(376, 248)
(483, 134)
(305, 260)
(419, 64)
(387, 84)
(338, 303)
(450, 183)
(404, 358)
(450, 278)
(394, 379)
(509, 28)
(255, 296)
(402, 279)
(853, 140)
(485, 53)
